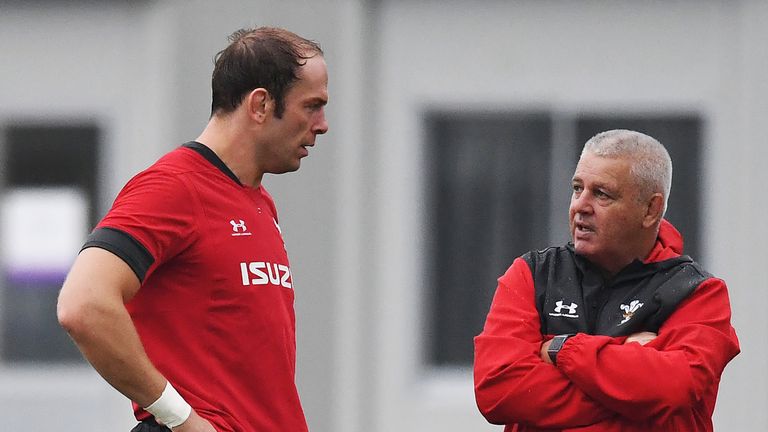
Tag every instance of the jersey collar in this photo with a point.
(213, 158)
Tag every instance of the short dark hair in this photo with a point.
(265, 57)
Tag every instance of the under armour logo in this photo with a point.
(629, 310)
(238, 228)
(559, 306)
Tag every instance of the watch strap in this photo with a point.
(556, 345)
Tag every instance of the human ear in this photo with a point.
(258, 103)
(654, 210)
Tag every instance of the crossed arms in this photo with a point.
(599, 378)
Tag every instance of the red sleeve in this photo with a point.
(681, 366)
(512, 383)
(158, 210)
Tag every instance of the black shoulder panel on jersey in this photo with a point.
(124, 246)
(213, 158)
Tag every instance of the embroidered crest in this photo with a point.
(629, 310)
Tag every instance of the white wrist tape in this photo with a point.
(170, 408)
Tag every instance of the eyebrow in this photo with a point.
(610, 190)
(595, 184)
(316, 99)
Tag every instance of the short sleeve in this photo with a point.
(156, 211)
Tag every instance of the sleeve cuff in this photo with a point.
(124, 246)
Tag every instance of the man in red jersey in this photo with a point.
(182, 297)
(616, 331)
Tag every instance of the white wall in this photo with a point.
(142, 71)
(737, 225)
(315, 207)
(351, 215)
(78, 63)
(707, 57)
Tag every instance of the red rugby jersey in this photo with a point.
(215, 308)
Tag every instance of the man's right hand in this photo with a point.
(194, 423)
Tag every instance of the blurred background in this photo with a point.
(455, 127)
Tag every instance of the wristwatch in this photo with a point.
(556, 345)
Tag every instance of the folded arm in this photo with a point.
(671, 372)
(512, 383)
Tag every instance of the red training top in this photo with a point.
(600, 383)
(215, 307)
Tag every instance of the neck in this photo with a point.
(641, 252)
(230, 143)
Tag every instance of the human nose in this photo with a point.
(581, 202)
(321, 126)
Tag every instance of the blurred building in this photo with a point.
(454, 130)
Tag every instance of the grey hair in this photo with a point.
(650, 164)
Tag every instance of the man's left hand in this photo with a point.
(641, 337)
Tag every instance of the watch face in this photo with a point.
(557, 343)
